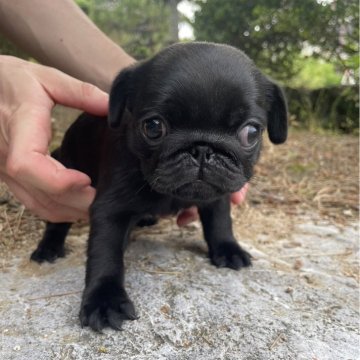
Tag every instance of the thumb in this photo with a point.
(28, 160)
(66, 90)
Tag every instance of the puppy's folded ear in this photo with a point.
(120, 93)
(277, 124)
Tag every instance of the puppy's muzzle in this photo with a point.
(198, 171)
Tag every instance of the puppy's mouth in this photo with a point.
(196, 186)
(198, 177)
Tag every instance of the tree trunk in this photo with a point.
(174, 21)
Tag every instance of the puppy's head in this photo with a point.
(194, 116)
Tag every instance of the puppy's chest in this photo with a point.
(135, 195)
(161, 205)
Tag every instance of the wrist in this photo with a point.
(105, 75)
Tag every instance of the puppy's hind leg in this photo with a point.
(51, 246)
(224, 250)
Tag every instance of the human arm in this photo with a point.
(58, 34)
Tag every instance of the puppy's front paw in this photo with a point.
(106, 305)
(230, 254)
(47, 253)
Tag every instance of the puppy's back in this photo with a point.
(82, 145)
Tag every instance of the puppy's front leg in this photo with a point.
(224, 250)
(105, 301)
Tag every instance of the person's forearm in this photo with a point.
(57, 33)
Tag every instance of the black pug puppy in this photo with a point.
(185, 129)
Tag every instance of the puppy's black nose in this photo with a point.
(201, 153)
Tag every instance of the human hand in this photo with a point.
(28, 92)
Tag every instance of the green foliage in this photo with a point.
(8, 48)
(315, 73)
(85, 5)
(334, 108)
(274, 32)
(141, 27)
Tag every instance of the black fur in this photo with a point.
(209, 98)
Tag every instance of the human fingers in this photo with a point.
(28, 93)
(28, 160)
(43, 206)
(66, 90)
(239, 196)
(187, 216)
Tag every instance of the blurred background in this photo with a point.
(309, 46)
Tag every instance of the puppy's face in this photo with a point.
(194, 116)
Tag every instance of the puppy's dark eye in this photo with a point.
(154, 129)
(249, 135)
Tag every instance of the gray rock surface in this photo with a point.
(299, 300)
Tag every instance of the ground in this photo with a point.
(299, 300)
